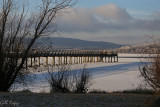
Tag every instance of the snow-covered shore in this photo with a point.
(106, 76)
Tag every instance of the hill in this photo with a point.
(149, 48)
(70, 43)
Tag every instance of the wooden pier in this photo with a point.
(56, 58)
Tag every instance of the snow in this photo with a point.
(118, 76)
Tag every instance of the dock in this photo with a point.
(56, 58)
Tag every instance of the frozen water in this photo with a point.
(106, 76)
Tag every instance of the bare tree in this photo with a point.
(19, 29)
(64, 79)
(60, 79)
(82, 81)
(150, 68)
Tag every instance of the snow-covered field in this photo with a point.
(119, 76)
(106, 76)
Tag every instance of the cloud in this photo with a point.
(105, 18)
(156, 15)
(82, 20)
(112, 11)
(94, 20)
(150, 25)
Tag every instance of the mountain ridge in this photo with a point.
(71, 43)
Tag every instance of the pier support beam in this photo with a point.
(111, 59)
(46, 61)
(81, 60)
(31, 61)
(26, 63)
(53, 61)
(66, 60)
(39, 61)
(105, 59)
(58, 60)
(34, 62)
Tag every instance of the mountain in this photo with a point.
(70, 43)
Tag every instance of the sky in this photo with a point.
(117, 21)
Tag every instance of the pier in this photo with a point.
(55, 58)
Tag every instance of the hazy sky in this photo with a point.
(118, 21)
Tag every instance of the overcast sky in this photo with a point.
(118, 21)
